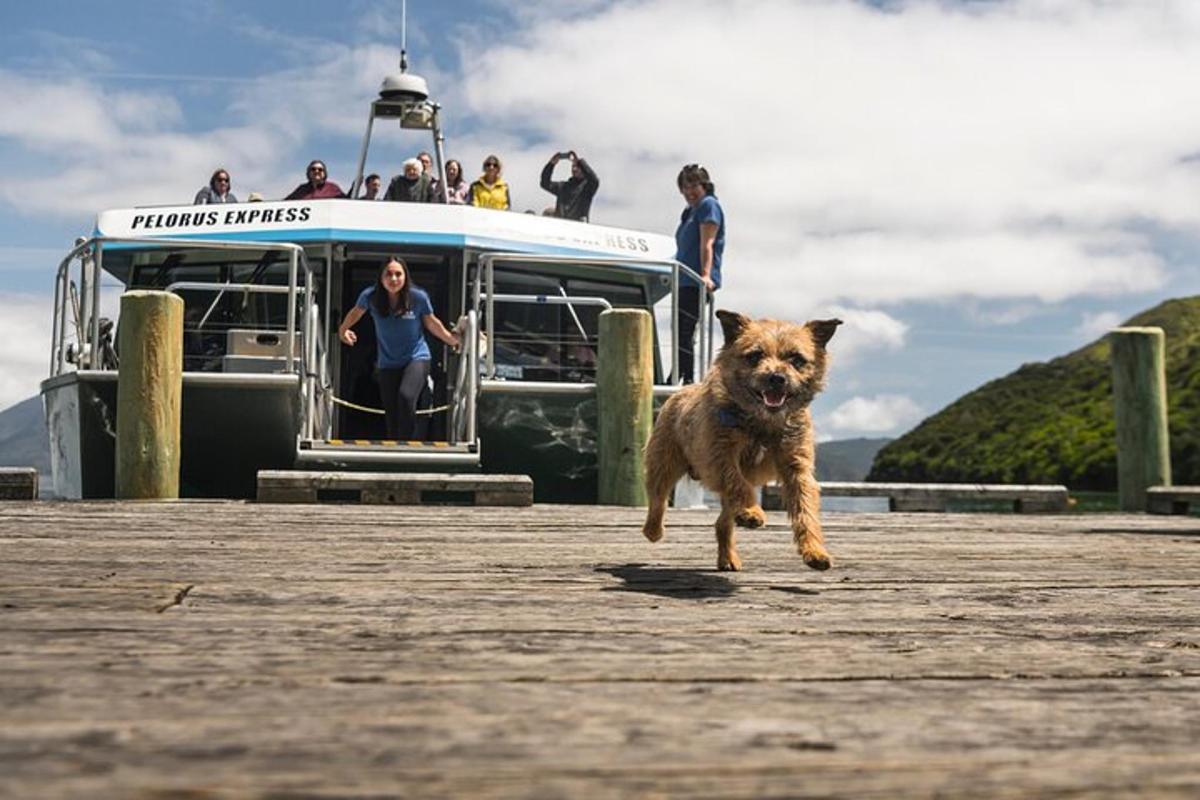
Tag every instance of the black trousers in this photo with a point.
(689, 301)
(400, 389)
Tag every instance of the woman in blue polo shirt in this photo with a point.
(402, 313)
(699, 244)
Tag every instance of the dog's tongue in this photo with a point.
(774, 398)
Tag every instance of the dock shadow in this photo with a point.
(679, 582)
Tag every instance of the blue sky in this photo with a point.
(971, 186)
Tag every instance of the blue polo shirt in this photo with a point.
(687, 236)
(400, 338)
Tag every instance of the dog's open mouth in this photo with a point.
(774, 398)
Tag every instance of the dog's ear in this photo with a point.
(732, 323)
(823, 330)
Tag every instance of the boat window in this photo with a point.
(224, 321)
(553, 341)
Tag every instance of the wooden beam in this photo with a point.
(18, 483)
(1140, 404)
(149, 395)
(624, 400)
(389, 488)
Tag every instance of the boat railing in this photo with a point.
(84, 302)
(485, 297)
(466, 385)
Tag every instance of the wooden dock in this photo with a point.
(220, 650)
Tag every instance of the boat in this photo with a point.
(266, 383)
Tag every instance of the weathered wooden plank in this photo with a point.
(248, 650)
(18, 483)
(387, 488)
(1171, 499)
(910, 497)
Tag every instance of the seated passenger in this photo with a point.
(435, 186)
(456, 187)
(371, 187)
(318, 186)
(490, 190)
(217, 190)
(410, 187)
(575, 194)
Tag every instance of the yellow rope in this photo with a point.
(357, 407)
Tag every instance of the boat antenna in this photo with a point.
(404, 35)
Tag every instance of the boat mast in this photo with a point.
(405, 97)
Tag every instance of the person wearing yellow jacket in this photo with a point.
(490, 190)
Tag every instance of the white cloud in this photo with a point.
(883, 413)
(1095, 325)
(874, 157)
(863, 330)
(24, 345)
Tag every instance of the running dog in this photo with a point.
(747, 423)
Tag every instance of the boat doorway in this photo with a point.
(355, 366)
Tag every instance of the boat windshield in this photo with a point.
(235, 301)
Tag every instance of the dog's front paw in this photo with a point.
(752, 517)
(816, 558)
(729, 561)
(652, 531)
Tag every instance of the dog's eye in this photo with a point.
(798, 361)
(753, 357)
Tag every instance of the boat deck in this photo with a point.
(216, 649)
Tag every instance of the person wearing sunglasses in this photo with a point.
(490, 190)
(699, 243)
(318, 186)
(217, 190)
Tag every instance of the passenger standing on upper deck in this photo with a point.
(456, 186)
(490, 190)
(318, 186)
(411, 186)
(217, 190)
(402, 313)
(699, 243)
(575, 194)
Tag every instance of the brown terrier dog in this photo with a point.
(747, 423)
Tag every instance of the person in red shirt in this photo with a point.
(318, 186)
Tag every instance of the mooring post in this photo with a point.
(1140, 401)
(149, 395)
(625, 404)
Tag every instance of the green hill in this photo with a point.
(846, 459)
(1053, 422)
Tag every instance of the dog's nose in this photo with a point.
(776, 380)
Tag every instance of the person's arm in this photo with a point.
(297, 192)
(507, 197)
(351, 319)
(201, 197)
(435, 326)
(548, 170)
(708, 237)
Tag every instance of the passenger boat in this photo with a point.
(268, 385)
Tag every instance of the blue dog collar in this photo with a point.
(728, 418)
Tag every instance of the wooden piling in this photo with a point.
(624, 389)
(1140, 403)
(149, 395)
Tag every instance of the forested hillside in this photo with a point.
(1053, 422)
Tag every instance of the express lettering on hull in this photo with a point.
(211, 218)
(634, 243)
